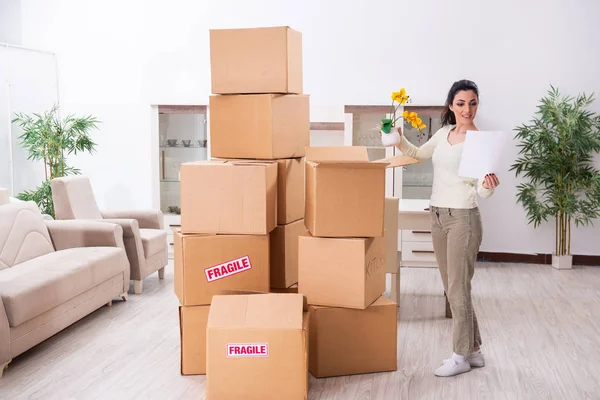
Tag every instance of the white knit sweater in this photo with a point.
(449, 190)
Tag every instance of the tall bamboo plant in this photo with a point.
(49, 139)
(556, 157)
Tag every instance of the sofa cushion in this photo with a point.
(23, 234)
(40, 284)
(153, 241)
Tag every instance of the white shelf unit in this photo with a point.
(175, 124)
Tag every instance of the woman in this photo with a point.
(455, 219)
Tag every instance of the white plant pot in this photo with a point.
(562, 262)
(390, 139)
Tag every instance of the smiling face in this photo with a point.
(464, 106)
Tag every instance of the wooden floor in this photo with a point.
(540, 327)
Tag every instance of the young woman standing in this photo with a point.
(455, 220)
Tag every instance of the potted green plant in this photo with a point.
(555, 157)
(389, 135)
(48, 138)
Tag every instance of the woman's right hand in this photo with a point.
(399, 128)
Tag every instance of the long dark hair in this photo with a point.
(448, 117)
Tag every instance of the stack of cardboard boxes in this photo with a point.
(241, 215)
(342, 263)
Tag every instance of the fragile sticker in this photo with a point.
(235, 350)
(228, 268)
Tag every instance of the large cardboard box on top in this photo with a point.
(207, 264)
(345, 192)
(229, 197)
(341, 272)
(256, 60)
(261, 126)
(345, 341)
(284, 254)
(257, 347)
(192, 323)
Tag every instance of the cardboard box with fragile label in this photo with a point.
(345, 192)
(257, 347)
(207, 264)
(261, 126)
(192, 322)
(256, 60)
(344, 341)
(341, 272)
(284, 254)
(229, 197)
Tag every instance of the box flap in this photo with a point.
(328, 154)
(380, 302)
(258, 311)
(203, 162)
(177, 232)
(250, 162)
(351, 164)
(397, 161)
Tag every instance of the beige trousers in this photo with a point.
(457, 235)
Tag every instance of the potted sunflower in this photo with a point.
(389, 135)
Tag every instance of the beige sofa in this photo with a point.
(53, 273)
(143, 233)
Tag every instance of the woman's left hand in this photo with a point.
(490, 181)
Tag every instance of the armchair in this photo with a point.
(143, 233)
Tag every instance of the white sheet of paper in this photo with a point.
(482, 153)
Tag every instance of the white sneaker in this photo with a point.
(475, 359)
(451, 367)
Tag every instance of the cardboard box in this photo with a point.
(256, 60)
(262, 126)
(192, 323)
(291, 289)
(341, 272)
(284, 254)
(229, 197)
(208, 264)
(290, 188)
(345, 192)
(391, 235)
(257, 347)
(346, 342)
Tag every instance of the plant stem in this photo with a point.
(45, 163)
(562, 231)
(564, 234)
(556, 234)
(569, 234)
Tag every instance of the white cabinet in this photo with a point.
(415, 241)
(182, 135)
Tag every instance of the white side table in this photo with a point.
(416, 243)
